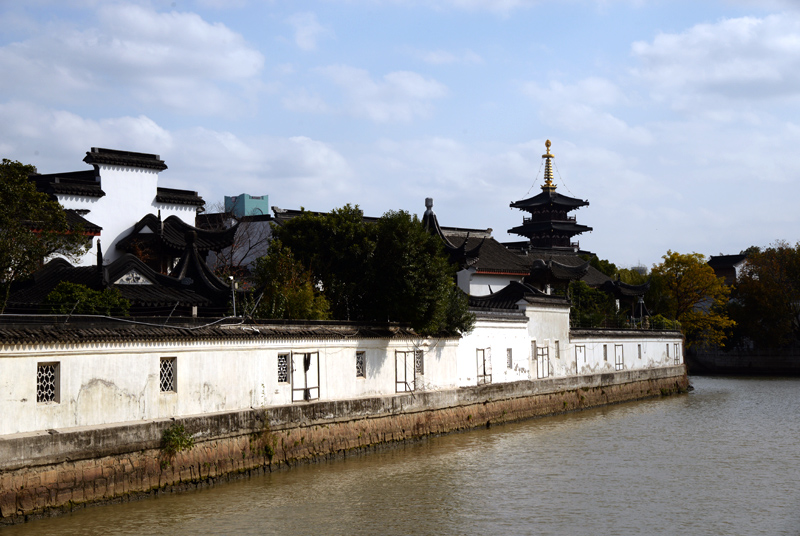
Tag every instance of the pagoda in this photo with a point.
(549, 226)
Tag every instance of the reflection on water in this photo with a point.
(724, 459)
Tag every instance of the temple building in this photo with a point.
(549, 225)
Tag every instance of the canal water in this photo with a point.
(722, 460)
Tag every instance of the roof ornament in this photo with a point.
(548, 169)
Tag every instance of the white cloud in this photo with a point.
(307, 30)
(581, 107)
(399, 96)
(443, 57)
(177, 60)
(744, 59)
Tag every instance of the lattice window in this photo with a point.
(677, 358)
(168, 374)
(47, 380)
(484, 366)
(509, 359)
(542, 362)
(361, 371)
(283, 368)
(419, 362)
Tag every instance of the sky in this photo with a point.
(678, 121)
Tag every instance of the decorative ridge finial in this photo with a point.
(548, 169)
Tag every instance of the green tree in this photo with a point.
(390, 270)
(74, 298)
(591, 307)
(685, 288)
(32, 227)
(412, 280)
(337, 248)
(286, 288)
(766, 299)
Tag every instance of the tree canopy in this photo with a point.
(72, 298)
(32, 227)
(285, 287)
(390, 270)
(766, 299)
(686, 289)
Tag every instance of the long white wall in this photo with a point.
(105, 383)
(102, 383)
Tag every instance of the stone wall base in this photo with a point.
(51, 473)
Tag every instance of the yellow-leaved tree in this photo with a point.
(686, 289)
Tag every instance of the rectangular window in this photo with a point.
(558, 351)
(167, 374)
(580, 354)
(677, 354)
(47, 383)
(484, 366)
(667, 349)
(543, 362)
(283, 368)
(619, 359)
(640, 351)
(419, 362)
(605, 352)
(360, 370)
(509, 360)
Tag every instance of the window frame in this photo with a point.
(172, 361)
(55, 397)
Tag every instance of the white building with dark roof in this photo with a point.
(113, 197)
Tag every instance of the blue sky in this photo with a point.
(678, 121)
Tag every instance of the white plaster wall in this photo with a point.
(112, 383)
(483, 284)
(495, 336)
(548, 326)
(653, 355)
(130, 195)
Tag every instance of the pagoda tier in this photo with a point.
(549, 225)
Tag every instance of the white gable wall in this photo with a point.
(130, 195)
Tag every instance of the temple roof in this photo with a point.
(550, 271)
(80, 183)
(136, 282)
(178, 197)
(194, 273)
(622, 290)
(113, 157)
(549, 197)
(593, 278)
(75, 219)
(532, 227)
(509, 297)
(172, 233)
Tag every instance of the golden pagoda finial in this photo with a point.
(548, 169)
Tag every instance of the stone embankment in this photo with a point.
(57, 471)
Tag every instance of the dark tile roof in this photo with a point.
(75, 219)
(494, 258)
(549, 198)
(113, 157)
(509, 296)
(534, 227)
(80, 332)
(163, 290)
(173, 234)
(81, 183)
(726, 261)
(550, 270)
(179, 197)
(593, 277)
(622, 290)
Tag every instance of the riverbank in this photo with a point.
(48, 473)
